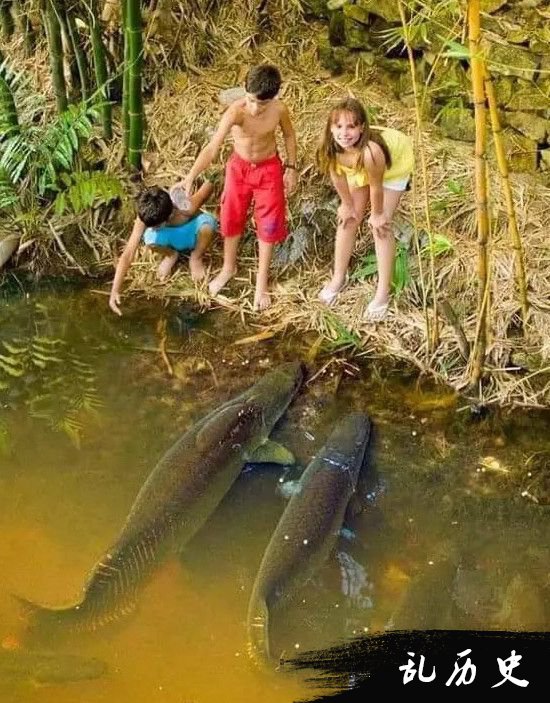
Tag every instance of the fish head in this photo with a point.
(348, 443)
(274, 392)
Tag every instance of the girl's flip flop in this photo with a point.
(376, 313)
(328, 295)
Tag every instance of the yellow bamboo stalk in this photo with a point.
(517, 246)
(432, 332)
(476, 61)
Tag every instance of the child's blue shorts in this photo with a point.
(179, 237)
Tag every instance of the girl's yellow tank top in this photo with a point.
(401, 149)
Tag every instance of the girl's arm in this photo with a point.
(346, 211)
(124, 264)
(375, 165)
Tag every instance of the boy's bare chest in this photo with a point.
(256, 128)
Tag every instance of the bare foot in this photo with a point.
(196, 267)
(166, 265)
(262, 300)
(219, 281)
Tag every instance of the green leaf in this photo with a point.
(456, 51)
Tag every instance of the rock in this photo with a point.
(529, 124)
(521, 151)
(358, 14)
(545, 159)
(317, 8)
(357, 35)
(393, 65)
(458, 123)
(450, 81)
(529, 97)
(490, 6)
(387, 9)
(512, 61)
(504, 89)
(337, 29)
(327, 56)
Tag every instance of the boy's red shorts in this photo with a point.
(262, 182)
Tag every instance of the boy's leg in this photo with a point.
(270, 218)
(385, 251)
(229, 268)
(236, 199)
(262, 299)
(344, 245)
(170, 256)
(196, 264)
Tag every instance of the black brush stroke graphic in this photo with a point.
(371, 664)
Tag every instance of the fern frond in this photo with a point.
(88, 189)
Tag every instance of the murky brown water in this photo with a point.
(456, 534)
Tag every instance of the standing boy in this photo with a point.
(254, 171)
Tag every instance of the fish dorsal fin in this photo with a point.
(219, 425)
(272, 453)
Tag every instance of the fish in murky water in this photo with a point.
(309, 527)
(182, 491)
(19, 667)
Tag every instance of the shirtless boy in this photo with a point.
(254, 171)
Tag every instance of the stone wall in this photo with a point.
(516, 39)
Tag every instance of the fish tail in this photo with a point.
(258, 634)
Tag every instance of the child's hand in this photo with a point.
(290, 180)
(380, 225)
(345, 213)
(114, 302)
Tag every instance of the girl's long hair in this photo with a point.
(328, 149)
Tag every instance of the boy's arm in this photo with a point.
(200, 197)
(211, 150)
(289, 135)
(124, 263)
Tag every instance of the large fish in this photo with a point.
(309, 527)
(20, 667)
(180, 494)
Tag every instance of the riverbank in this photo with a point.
(181, 113)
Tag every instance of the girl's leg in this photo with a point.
(345, 244)
(170, 256)
(196, 264)
(385, 251)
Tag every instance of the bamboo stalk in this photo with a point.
(476, 61)
(24, 27)
(101, 70)
(517, 246)
(68, 47)
(135, 100)
(55, 44)
(6, 19)
(125, 80)
(9, 122)
(80, 56)
(433, 333)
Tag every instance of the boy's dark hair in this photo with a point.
(263, 81)
(154, 206)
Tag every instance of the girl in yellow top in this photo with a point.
(366, 164)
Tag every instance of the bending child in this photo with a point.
(168, 230)
(254, 171)
(366, 165)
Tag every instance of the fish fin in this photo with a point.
(289, 488)
(271, 452)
